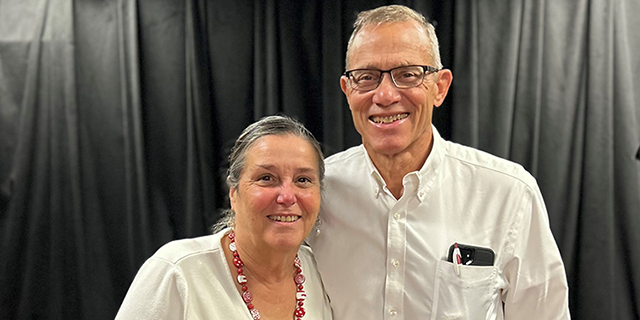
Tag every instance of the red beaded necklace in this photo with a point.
(247, 297)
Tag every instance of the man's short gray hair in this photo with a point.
(391, 14)
(271, 125)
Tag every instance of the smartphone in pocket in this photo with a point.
(472, 255)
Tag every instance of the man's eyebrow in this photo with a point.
(372, 67)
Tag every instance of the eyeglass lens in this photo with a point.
(403, 77)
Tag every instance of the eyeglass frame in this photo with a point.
(426, 70)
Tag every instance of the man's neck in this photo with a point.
(394, 167)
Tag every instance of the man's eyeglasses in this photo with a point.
(403, 77)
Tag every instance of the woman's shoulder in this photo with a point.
(305, 253)
(317, 303)
(179, 250)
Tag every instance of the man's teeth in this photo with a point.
(284, 218)
(389, 119)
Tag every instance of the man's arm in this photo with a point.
(537, 280)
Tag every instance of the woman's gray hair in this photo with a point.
(271, 125)
(396, 13)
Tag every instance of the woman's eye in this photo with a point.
(306, 182)
(265, 178)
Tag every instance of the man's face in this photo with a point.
(393, 120)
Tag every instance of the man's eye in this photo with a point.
(366, 77)
(265, 178)
(409, 75)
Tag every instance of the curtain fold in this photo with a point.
(335, 114)
(41, 225)
(132, 132)
(200, 181)
(550, 85)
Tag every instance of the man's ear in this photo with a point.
(344, 85)
(443, 82)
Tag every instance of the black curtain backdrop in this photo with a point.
(116, 116)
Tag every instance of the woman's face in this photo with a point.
(278, 197)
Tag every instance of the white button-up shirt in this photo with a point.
(383, 258)
(190, 279)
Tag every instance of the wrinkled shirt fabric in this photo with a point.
(385, 258)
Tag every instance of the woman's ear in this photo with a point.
(232, 197)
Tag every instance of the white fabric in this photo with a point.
(190, 279)
(383, 258)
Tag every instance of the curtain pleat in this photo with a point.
(335, 113)
(200, 182)
(549, 85)
(266, 94)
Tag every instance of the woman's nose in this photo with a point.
(287, 195)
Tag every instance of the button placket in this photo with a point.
(396, 247)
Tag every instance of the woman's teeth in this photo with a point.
(284, 218)
(389, 119)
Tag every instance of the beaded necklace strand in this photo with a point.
(247, 297)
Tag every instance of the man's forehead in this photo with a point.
(393, 33)
(409, 26)
(383, 47)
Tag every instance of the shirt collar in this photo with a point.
(426, 174)
(377, 177)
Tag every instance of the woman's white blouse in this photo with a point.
(190, 279)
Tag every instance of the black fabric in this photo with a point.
(115, 119)
(553, 85)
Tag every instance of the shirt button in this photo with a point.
(393, 312)
(421, 194)
(395, 263)
(396, 216)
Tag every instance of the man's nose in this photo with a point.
(386, 93)
(287, 196)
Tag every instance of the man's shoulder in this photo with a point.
(487, 163)
(353, 153)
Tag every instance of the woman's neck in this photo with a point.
(263, 265)
(269, 279)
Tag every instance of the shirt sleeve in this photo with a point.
(159, 291)
(537, 281)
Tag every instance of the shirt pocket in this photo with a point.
(470, 295)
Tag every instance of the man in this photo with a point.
(396, 204)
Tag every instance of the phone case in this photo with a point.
(473, 255)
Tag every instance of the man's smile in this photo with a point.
(388, 119)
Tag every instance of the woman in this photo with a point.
(257, 269)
